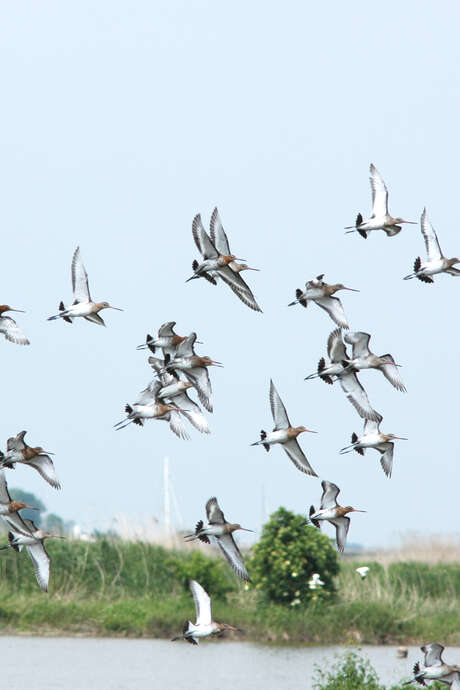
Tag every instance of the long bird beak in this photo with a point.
(246, 530)
(311, 376)
(248, 268)
(27, 507)
(237, 259)
(19, 310)
(356, 510)
(401, 438)
(351, 289)
(291, 304)
(310, 431)
(192, 278)
(217, 364)
(117, 308)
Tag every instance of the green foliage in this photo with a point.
(287, 555)
(428, 580)
(350, 672)
(213, 574)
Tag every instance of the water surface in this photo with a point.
(47, 663)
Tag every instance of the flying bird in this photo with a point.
(321, 293)
(149, 406)
(380, 218)
(204, 625)
(220, 240)
(436, 261)
(82, 304)
(331, 511)
(167, 340)
(222, 532)
(363, 358)
(215, 264)
(17, 450)
(23, 532)
(339, 369)
(194, 368)
(10, 328)
(373, 438)
(285, 434)
(435, 668)
(175, 391)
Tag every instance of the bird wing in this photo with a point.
(360, 342)
(45, 467)
(218, 235)
(379, 193)
(296, 454)
(342, 525)
(336, 350)
(157, 364)
(12, 331)
(358, 396)
(371, 426)
(233, 279)
(330, 493)
(165, 377)
(18, 524)
(199, 377)
(233, 555)
(149, 395)
(334, 308)
(279, 414)
(95, 318)
(433, 654)
(390, 371)
(80, 285)
(246, 297)
(202, 239)
(166, 330)
(202, 603)
(176, 424)
(41, 561)
(185, 348)
(213, 513)
(433, 249)
(192, 412)
(386, 459)
(4, 493)
(16, 442)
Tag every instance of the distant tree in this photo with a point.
(287, 555)
(32, 500)
(53, 523)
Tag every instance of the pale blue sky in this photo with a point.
(122, 120)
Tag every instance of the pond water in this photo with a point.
(60, 663)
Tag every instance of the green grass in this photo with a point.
(136, 589)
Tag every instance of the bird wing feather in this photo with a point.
(233, 555)
(202, 603)
(379, 193)
(334, 308)
(279, 414)
(296, 454)
(80, 287)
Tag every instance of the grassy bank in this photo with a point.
(136, 589)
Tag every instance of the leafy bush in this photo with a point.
(287, 555)
(350, 672)
(212, 574)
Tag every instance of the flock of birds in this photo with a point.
(181, 371)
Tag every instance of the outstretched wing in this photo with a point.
(202, 603)
(192, 411)
(177, 426)
(166, 330)
(334, 308)
(433, 654)
(246, 297)
(199, 377)
(296, 454)
(342, 525)
(233, 555)
(12, 332)
(218, 235)
(202, 239)
(213, 513)
(336, 350)
(360, 342)
(279, 414)
(379, 193)
(4, 493)
(433, 249)
(358, 396)
(80, 285)
(45, 467)
(330, 493)
(16, 442)
(41, 562)
(386, 459)
(185, 348)
(391, 372)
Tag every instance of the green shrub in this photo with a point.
(213, 574)
(350, 672)
(287, 555)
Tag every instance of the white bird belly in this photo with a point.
(279, 436)
(80, 309)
